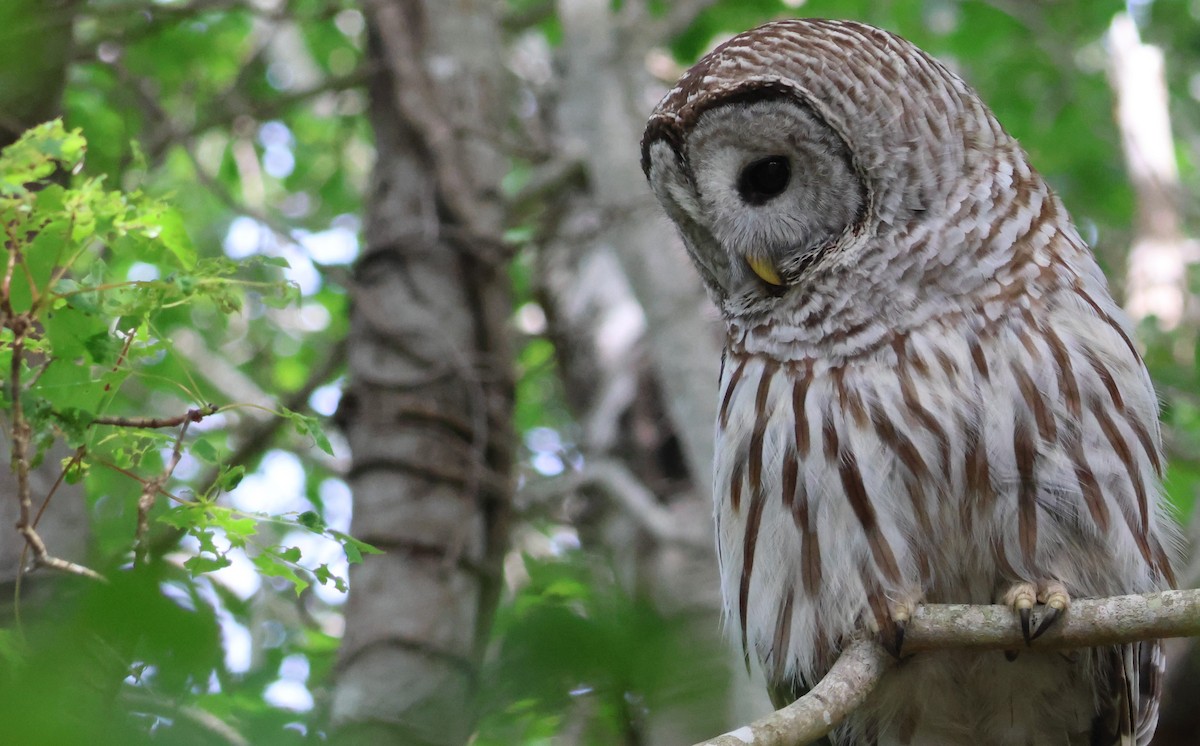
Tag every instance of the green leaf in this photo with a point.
(311, 520)
(308, 425)
(37, 154)
(272, 566)
(198, 564)
(325, 576)
(174, 237)
(354, 548)
(205, 451)
(232, 477)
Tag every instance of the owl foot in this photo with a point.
(900, 611)
(1056, 599)
(1022, 597)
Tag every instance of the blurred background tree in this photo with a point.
(517, 360)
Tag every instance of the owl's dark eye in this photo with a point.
(764, 179)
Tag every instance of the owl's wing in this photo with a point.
(1129, 711)
(1148, 660)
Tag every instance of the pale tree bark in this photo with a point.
(1156, 283)
(603, 122)
(428, 410)
(628, 310)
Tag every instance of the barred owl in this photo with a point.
(927, 393)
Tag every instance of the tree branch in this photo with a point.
(828, 703)
(1088, 623)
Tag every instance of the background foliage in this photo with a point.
(210, 175)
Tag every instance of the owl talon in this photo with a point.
(1021, 597)
(1054, 595)
(900, 612)
(1050, 616)
(895, 641)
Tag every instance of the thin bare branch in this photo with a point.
(192, 415)
(151, 487)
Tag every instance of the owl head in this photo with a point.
(798, 149)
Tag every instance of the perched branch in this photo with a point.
(1089, 623)
(816, 713)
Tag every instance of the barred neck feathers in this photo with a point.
(985, 252)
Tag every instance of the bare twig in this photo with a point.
(43, 558)
(220, 729)
(151, 487)
(1088, 623)
(192, 415)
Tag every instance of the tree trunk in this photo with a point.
(602, 110)
(429, 405)
(35, 49)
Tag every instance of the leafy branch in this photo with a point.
(73, 333)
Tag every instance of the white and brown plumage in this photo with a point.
(927, 394)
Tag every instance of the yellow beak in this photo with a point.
(764, 269)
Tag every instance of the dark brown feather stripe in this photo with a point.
(849, 399)
(757, 497)
(860, 503)
(1037, 404)
(979, 360)
(783, 633)
(1090, 488)
(796, 496)
(1125, 454)
(1025, 450)
(1143, 436)
(753, 521)
(912, 402)
(761, 419)
(978, 470)
(799, 417)
(1114, 392)
(723, 417)
(1066, 374)
(735, 486)
(1108, 320)
(916, 470)
(791, 475)
(1106, 377)
(1068, 385)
